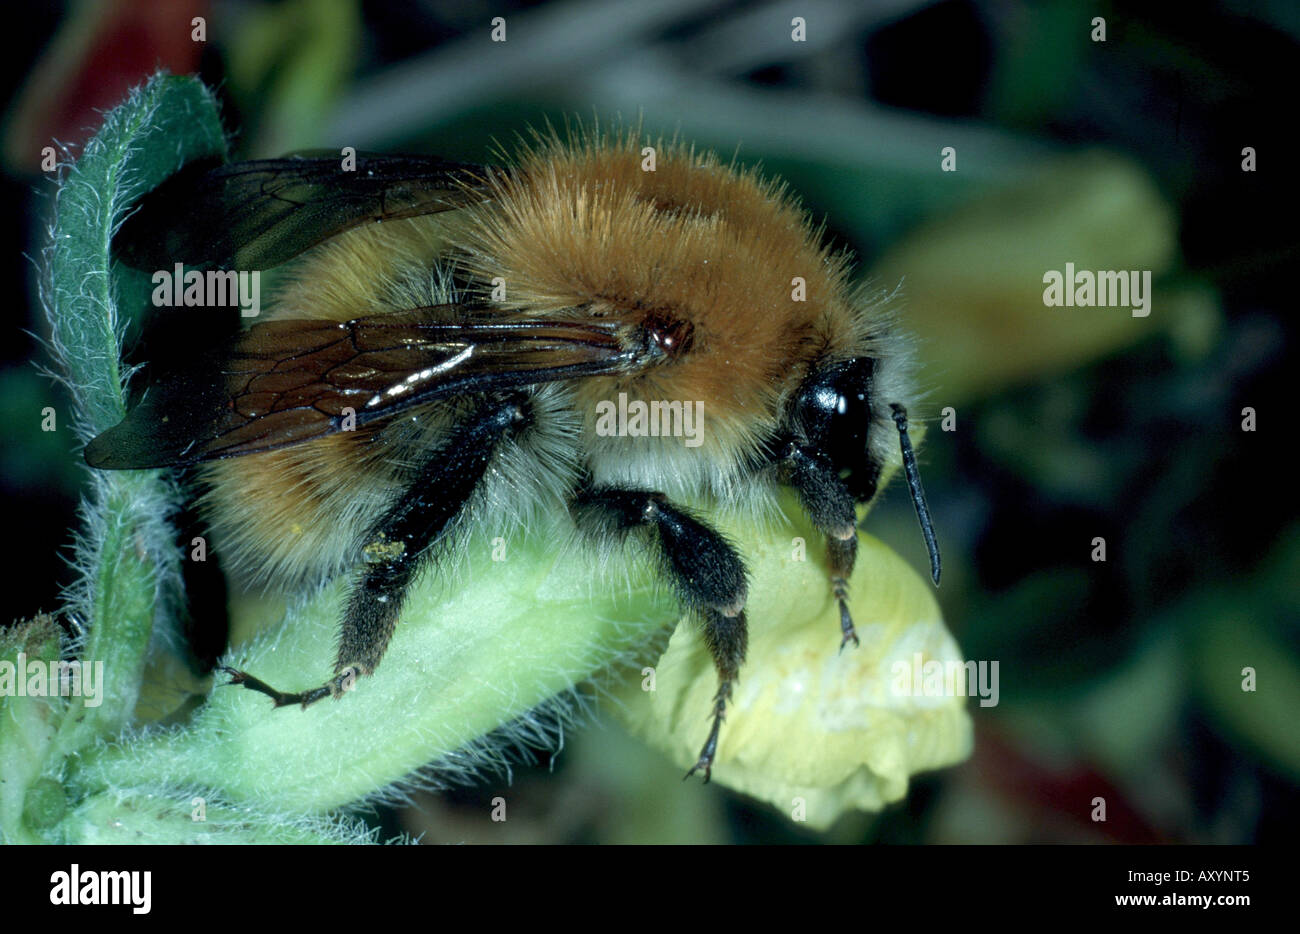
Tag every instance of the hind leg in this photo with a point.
(398, 543)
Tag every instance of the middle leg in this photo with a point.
(705, 570)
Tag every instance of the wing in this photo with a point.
(286, 382)
(254, 215)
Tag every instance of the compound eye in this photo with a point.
(834, 410)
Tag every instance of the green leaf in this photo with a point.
(27, 729)
(473, 653)
(171, 817)
(125, 558)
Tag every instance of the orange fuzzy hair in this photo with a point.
(582, 224)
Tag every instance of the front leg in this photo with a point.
(830, 506)
(705, 570)
(396, 546)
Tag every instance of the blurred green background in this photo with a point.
(1120, 679)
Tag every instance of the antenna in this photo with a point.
(914, 487)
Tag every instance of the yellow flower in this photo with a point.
(812, 730)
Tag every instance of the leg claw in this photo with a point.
(850, 634)
(704, 765)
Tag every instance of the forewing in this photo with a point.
(285, 382)
(255, 215)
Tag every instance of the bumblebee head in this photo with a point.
(837, 409)
(833, 407)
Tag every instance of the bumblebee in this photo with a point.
(445, 335)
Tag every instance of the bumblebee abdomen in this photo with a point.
(296, 514)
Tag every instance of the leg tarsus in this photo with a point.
(336, 686)
(841, 555)
(727, 638)
(710, 748)
(850, 634)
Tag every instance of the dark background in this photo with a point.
(1119, 679)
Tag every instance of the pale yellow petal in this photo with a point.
(807, 721)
